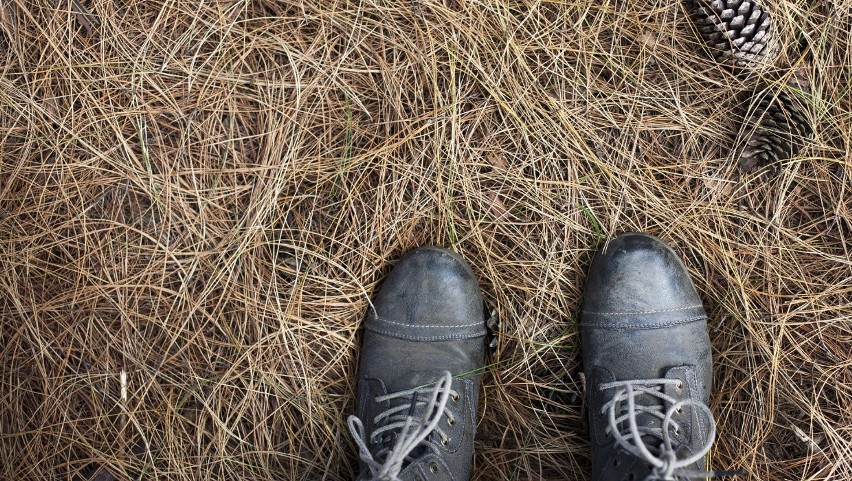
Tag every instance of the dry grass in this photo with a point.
(203, 195)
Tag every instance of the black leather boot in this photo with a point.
(419, 372)
(647, 360)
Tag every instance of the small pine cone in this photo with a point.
(739, 32)
(777, 128)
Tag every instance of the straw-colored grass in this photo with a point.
(203, 195)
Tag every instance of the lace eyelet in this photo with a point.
(454, 398)
(445, 442)
(679, 385)
(451, 421)
(615, 462)
(679, 410)
(434, 468)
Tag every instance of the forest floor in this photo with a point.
(198, 199)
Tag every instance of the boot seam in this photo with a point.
(619, 326)
(427, 326)
(636, 313)
(455, 337)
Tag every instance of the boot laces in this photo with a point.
(665, 464)
(409, 430)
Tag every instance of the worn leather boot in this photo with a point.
(419, 372)
(647, 360)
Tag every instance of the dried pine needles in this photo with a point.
(203, 196)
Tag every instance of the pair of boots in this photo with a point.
(646, 355)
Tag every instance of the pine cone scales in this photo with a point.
(739, 31)
(778, 128)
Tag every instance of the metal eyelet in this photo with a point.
(434, 468)
(454, 397)
(445, 442)
(679, 384)
(451, 421)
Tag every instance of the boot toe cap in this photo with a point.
(431, 294)
(638, 281)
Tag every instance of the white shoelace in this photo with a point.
(413, 430)
(666, 466)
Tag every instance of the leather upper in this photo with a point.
(426, 318)
(642, 319)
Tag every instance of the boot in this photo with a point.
(647, 361)
(419, 373)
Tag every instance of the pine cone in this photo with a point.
(777, 128)
(739, 32)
